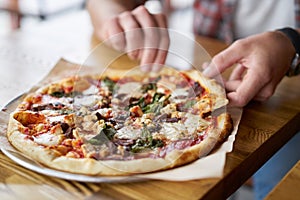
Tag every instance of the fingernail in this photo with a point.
(206, 71)
(205, 65)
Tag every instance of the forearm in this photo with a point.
(101, 10)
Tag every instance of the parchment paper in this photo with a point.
(211, 166)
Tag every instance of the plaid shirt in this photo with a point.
(214, 18)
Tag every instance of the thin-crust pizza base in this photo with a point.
(90, 166)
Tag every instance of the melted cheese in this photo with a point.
(174, 131)
(47, 99)
(178, 130)
(87, 100)
(91, 90)
(48, 139)
(168, 109)
(59, 118)
(49, 112)
(180, 92)
(193, 122)
(132, 88)
(128, 132)
(103, 111)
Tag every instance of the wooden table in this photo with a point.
(264, 127)
(288, 187)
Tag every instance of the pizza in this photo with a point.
(113, 124)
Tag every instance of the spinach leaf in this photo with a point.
(142, 145)
(61, 93)
(58, 94)
(109, 83)
(156, 105)
(189, 104)
(109, 132)
(141, 103)
(146, 142)
(105, 136)
(153, 108)
(148, 86)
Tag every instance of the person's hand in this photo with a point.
(140, 34)
(261, 62)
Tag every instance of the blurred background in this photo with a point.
(23, 14)
(26, 15)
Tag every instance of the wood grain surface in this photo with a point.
(264, 127)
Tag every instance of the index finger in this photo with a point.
(224, 60)
(249, 87)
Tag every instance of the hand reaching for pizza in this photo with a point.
(261, 61)
(140, 34)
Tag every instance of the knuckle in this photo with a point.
(145, 18)
(118, 44)
(265, 95)
(239, 43)
(114, 20)
(131, 24)
(110, 24)
(125, 14)
(127, 21)
(141, 10)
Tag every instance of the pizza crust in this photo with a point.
(91, 166)
(212, 86)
